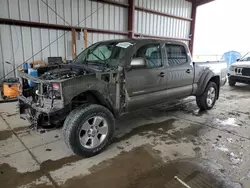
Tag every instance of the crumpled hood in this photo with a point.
(241, 64)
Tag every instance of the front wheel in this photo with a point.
(207, 100)
(88, 129)
(231, 82)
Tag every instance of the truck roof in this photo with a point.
(146, 40)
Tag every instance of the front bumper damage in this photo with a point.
(47, 106)
(41, 112)
(45, 116)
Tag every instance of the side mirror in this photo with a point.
(139, 62)
(237, 60)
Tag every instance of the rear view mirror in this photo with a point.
(139, 62)
(237, 60)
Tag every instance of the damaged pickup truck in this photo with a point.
(112, 78)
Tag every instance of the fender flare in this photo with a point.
(203, 81)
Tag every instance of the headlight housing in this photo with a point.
(232, 68)
(56, 86)
(53, 91)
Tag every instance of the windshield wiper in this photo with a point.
(244, 55)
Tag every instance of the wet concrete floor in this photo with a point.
(150, 148)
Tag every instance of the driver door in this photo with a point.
(146, 84)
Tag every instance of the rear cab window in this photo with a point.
(176, 54)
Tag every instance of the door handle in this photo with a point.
(188, 71)
(162, 74)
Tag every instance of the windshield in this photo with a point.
(246, 57)
(104, 53)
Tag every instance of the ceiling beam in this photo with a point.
(57, 26)
(202, 2)
(110, 2)
(161, 13)
(161, 37)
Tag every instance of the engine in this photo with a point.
(62, 73)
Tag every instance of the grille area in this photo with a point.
(238, 71)
(246, 71)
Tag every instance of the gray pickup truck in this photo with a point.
(109, 79)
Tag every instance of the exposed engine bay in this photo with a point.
(51, 77)
(60, 72)
(46, 94)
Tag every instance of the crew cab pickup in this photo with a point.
(240, 71)
(111, 78)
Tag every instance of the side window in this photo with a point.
(176, 54)
(152, 54)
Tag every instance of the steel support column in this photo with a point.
(192, 27)
(131, 18)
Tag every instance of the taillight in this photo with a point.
(56, 86)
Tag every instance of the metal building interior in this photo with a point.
(64, 28)
(174, 144)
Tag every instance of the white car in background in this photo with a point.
(240, 71)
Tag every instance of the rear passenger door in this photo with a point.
(179, 71)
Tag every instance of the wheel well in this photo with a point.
(216, 79)
(93, 97)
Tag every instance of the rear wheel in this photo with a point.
(207, 100)
(88, 129)
(231, 82)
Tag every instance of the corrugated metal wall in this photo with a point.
(17, 44)
(152, 24)
(71, 13)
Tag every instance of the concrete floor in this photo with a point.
(204, 149)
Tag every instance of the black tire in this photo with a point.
(73, 123)
(201, 101)
(231, 82)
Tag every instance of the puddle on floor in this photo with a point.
(191, 132)
(120, 171)
(141, 169)
(19, 179)
(165, 132)
(221, 148)
(144, 129)
(227, 122)
(6, 134)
